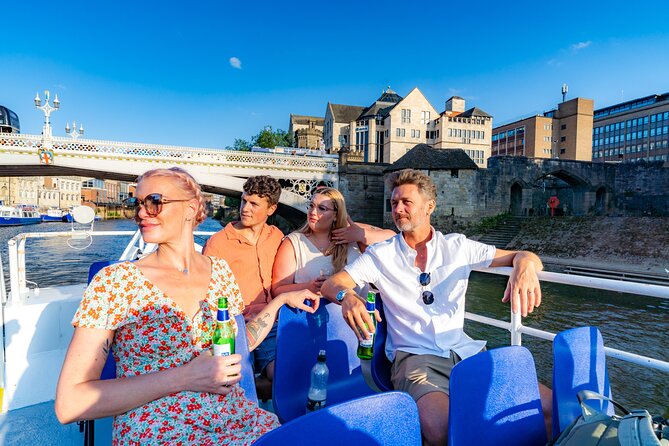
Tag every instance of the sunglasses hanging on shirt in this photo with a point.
(424, 280)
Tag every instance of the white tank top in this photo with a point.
(311, 263)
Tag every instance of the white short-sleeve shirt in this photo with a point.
(414, 327)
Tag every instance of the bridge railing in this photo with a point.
(131, 150)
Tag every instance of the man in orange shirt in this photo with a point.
(249, 246)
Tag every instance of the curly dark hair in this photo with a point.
(264, 186)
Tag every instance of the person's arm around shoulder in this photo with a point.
(361, 233)
(339, 289)
(523, 288)
(258, 327)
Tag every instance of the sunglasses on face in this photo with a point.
(320, 209)
(424, 280)
(152, 203)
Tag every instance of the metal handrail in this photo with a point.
(515, 327)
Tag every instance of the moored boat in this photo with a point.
(21, 214)
(55, 215)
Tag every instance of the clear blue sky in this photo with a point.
(161, 71)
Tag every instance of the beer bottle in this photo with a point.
(366, 346)
(223, 342)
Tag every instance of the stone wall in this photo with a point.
(518, 185)
(362, 186)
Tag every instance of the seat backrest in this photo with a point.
(579, 363)
(389, 418)
(241, 346)
(494, 399)
(380, 366)
(248, 382)
(300, 336)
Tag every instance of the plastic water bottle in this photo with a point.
(319, 381)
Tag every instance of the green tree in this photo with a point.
(241, 144)
(269, 138)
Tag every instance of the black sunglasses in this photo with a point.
(152, 203)
(424, 280)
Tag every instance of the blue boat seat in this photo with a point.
(579, 363)
(300, 336)
(494, 399)
(389, 418)
(380, 364)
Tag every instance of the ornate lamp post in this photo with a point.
(73, 132)
(47, 109)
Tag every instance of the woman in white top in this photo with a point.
(323, 246)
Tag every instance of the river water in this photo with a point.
(637, 324)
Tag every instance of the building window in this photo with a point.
(424, 117)
(563, 138)
(401, 132)
(564, 127)
(415, 133)
(406, 115)
(563, 150)
(454, 173)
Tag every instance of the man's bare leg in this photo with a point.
(433, 412)
(546, 395)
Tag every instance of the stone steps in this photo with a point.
(502, 234)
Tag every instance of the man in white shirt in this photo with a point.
(422, 275)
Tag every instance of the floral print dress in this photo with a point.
(152, 334)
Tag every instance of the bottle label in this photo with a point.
(367, 343)
(313, 405)
(221, 349)
(222, 315)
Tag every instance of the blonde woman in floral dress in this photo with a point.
(156, 316)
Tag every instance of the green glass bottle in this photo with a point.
(223, 342)
(366, 346)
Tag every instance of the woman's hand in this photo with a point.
(296, 299)
(352, 233)
(213, 374)
(315, 285)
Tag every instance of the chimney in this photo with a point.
(455, 104)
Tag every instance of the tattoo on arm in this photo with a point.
(255, 328)
(105, 348)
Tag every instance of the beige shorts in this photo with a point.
(419, 375)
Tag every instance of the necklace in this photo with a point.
(323, 249)
(183, 270)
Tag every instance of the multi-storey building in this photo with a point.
(9, 121)
(393, 125)
(20, 190)
(564, 133)
(60, 193)
(632, 131)
(307, 131)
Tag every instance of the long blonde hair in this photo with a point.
(339, 253)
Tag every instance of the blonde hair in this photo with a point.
(339, 253)
(184, 181)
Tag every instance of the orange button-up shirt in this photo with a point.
(251, 264)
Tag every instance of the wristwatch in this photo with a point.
(340, 295)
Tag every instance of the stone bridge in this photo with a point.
(218, 171)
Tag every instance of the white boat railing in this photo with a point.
(516, 329)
